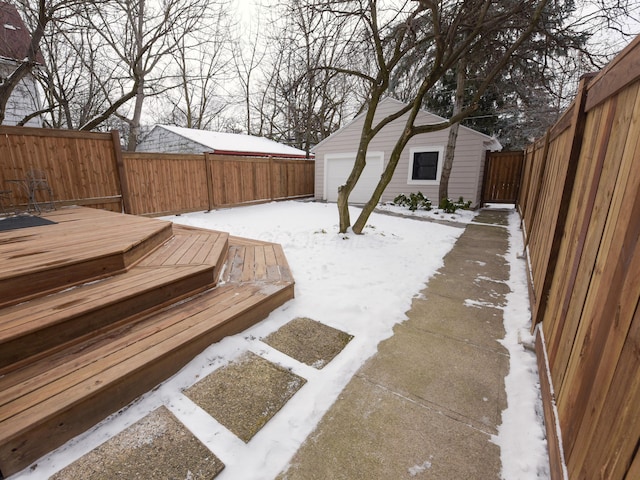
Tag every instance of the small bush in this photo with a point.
(413, 202)
(447, 206)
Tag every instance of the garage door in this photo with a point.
(337, 170)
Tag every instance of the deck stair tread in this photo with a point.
(81, 247)
(46, 322)
(262, 262)
(189, 246)
(71, 357)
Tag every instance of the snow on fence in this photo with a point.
(89, 169)
(580, 204)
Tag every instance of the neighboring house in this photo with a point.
(419, 167)
(169, 139)
(14, 44)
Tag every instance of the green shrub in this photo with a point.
(447, 206)
(413, 202)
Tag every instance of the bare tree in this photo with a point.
(200, 67)
(75, 81)
(458, 105)
(247, 58)
(451, 30)
(39, 16)
(137, 40)
(301, 103)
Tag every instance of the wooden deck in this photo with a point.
(152, 297)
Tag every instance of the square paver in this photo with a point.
(244, 395)
(309, 341)
(157, 446)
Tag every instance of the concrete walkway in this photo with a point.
(427, 404)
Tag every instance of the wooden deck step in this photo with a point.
(46, 323)
(49, 401)
(256, 262)
(83, 245)
(191, 246)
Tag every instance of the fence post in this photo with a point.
(207, 168)
(121, 172)
(271, 178)
(487, 160)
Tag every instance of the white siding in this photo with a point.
(24, 99)
(466, 174)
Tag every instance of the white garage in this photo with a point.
(420, 164)
(337, 168)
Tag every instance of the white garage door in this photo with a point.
(337, 169)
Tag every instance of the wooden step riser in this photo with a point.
(46, 341)
(62, 275)
(19, 451)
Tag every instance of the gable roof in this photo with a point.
(491, 142)
(14, 36)
(235, 143)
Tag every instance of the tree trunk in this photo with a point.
(138, 72)
(443, 191)
(385, 178)
(343, 208)
(345, 190)
(134, 130)
(361, 161)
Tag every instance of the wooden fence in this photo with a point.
(89, 169)
(580, 204)
(81, 168)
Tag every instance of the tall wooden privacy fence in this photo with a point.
(580, 204)
(89, 169)
(81, 167)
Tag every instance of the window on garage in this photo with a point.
(425, 165)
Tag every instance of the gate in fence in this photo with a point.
(502, 177)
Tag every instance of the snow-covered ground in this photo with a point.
(361, 284)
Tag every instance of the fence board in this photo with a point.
(165, 183)
(588, 298)
(237, 180)
(571, 258)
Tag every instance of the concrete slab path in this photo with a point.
(427, 404)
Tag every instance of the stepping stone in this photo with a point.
(157, 446)
(308, 341)
(244, 395)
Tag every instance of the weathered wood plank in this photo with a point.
(612, 450)
(248, 268)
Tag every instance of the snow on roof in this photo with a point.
(235, 142)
